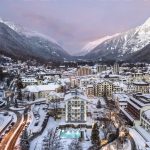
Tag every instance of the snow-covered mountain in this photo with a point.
(24, 31)
(20, 42)
(122, 45)
(91, 45)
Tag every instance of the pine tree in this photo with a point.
(19, 84)
(94, 147)
(24, 143)
(54, 104)
(19, 94)
(25, 134)
(16, 103)
(28, 98)
(33, 97)
(98, 104)
(95, 135)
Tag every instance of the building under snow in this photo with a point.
(76, 107)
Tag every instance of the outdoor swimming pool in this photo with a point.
(70, 134)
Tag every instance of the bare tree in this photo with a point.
(52, 141)
(75, 145)
(94, 147)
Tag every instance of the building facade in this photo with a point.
(104, 88)
(145, 118)
(83, 71)
(141, 87)
(90, 91)
(101, 68)
(116, 68)
(75, 107)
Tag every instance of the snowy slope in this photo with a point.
(91, 45)
(123, 44)
(22, 43)
(22, 30)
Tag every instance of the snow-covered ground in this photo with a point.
(127, 145)
(96, 112)
(116, 146)
(37, 142)
(6, 119)
(37, 116)
(52, 124)
(140, 136)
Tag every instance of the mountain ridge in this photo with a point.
(20, 45)
(126, 43)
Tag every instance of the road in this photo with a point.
(9, 134)
(6, 144)
(133, 145)
(11, 145)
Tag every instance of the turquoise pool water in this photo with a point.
(70, 134)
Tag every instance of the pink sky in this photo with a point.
(73, 23)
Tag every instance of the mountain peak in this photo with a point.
(91, 45)
(24, 31)
(18, 41)
(147, 22)
(1, 20)
(11, 25)
(127, 43)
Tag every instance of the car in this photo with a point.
(6, 113)
(12, 123)
(37, 118)
(44, 108)
(36, 124)
(26, 125)
(1, 138)
(9, 127)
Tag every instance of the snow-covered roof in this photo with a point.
(114, 76)
(139, 140)
(146, 96)
(127, 114)
(140, 83)
(53, 93)
(46, 81)
(121, 96)
(64, 81)
(90, 86)
(60, 104)
(144, 133)
(103, 81)
(72, 95)
(147, 113)
(38, 88)
(41, 73)
(135, 106)
(29, 80)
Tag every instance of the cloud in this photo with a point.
(75, 22)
